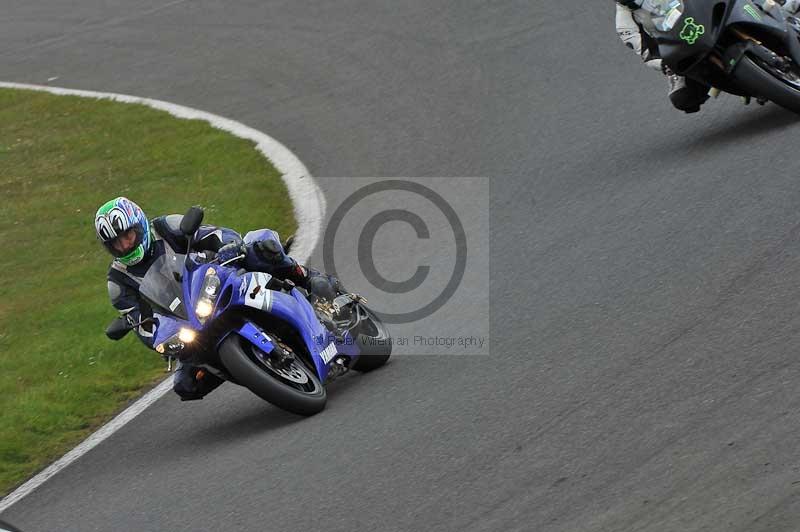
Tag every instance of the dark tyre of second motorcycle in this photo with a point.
(765, 81)
(375, 342)
(294, 388)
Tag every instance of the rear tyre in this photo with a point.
(374, 341)
(765, 81)
(294, 388)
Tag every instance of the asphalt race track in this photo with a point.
(644, 276)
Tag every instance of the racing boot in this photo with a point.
(685, 94)
(192, 383)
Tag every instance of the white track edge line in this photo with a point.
(309, 210)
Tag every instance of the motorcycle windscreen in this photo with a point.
(162, 287)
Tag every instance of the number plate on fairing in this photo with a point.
(257, 295)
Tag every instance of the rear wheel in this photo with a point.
(374, 342)
(293, 387)
(763, 80)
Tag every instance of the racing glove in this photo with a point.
(269, 251)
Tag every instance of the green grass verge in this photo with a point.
(61, 157)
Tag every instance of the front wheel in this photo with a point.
(294, 387)
(762, 80)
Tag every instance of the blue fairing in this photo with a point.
(261, 234)
(249, 289)
(167, 326)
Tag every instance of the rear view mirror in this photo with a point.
(192, 220)
(118, 329)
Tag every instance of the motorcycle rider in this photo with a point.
(136, 242)
(685, 94)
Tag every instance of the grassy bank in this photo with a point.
(60, 158)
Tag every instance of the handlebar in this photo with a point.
(274, 283)
(285, 285)
(234, 259)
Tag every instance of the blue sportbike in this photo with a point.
(252, 329)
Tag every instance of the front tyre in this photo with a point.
(294, 388)
(759, 79)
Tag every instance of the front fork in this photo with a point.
(728, 60)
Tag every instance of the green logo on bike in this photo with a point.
(691, 31)
(750, 10)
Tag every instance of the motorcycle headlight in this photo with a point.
(176, 342)
(186, 336)
(204, 308)
(208, 295)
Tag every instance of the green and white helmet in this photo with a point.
(118, 216)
